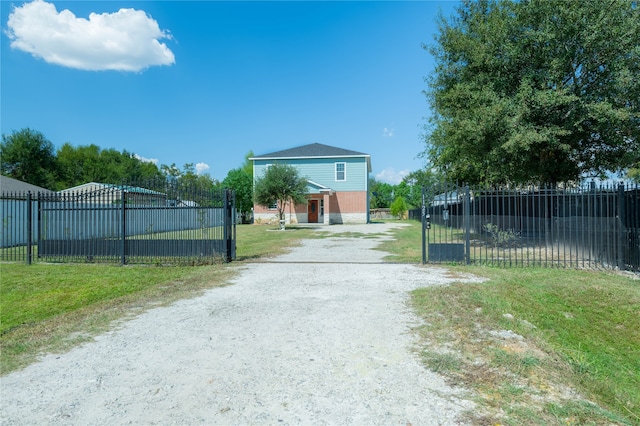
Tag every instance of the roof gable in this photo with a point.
(311, 150)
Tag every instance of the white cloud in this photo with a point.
(387, 133)
(391, 176)
(127, 40)
(201, 167)
(145, 160)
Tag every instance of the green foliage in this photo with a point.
(500, 237)
(90, 163)
(536, 91)
(241, 181)
(399, 207)
(634, 173)
(415, 181)
(199, 182)
(280, 184)
(381, 194)
(28, 156)
(242, 184)
(188, 185)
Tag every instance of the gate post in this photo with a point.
(423, 216)
(621, 224)
(467, 224)
(123, 241)
(228, 225)
(29, 229)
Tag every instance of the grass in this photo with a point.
(263, 241)
(580, 330)
(53, 307)
(406, 247)
(186, 234)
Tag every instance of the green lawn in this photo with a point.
(580, 328)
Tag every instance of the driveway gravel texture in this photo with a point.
(321, 335)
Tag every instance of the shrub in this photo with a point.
(399, 207)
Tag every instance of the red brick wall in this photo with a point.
(349, 202)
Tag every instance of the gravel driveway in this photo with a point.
(321, 335)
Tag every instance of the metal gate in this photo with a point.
(122, 223)
(562, 226)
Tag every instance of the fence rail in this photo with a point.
(119, 223)
(562, 226)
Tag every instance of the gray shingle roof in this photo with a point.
(8, 184)
(312, 150)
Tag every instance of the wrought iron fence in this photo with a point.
(137, 223)
(589, 226)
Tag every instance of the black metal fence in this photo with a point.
(588, 226)
(138, 223)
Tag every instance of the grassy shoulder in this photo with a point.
(526, 338)
(53, 307)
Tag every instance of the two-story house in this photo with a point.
(338, 184)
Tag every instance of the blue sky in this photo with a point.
(204, 82)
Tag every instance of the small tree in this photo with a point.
(242, 184)
(280, 184)
(241, 181)
(398, 207)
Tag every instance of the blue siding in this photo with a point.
(322, 171)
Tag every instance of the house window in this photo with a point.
(341, 171)
(321, 207)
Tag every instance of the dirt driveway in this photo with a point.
(321, 335)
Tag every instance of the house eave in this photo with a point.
(310, 157)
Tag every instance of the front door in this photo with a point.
(313, 211)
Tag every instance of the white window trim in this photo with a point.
(344, 171)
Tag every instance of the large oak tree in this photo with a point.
(536, 91)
